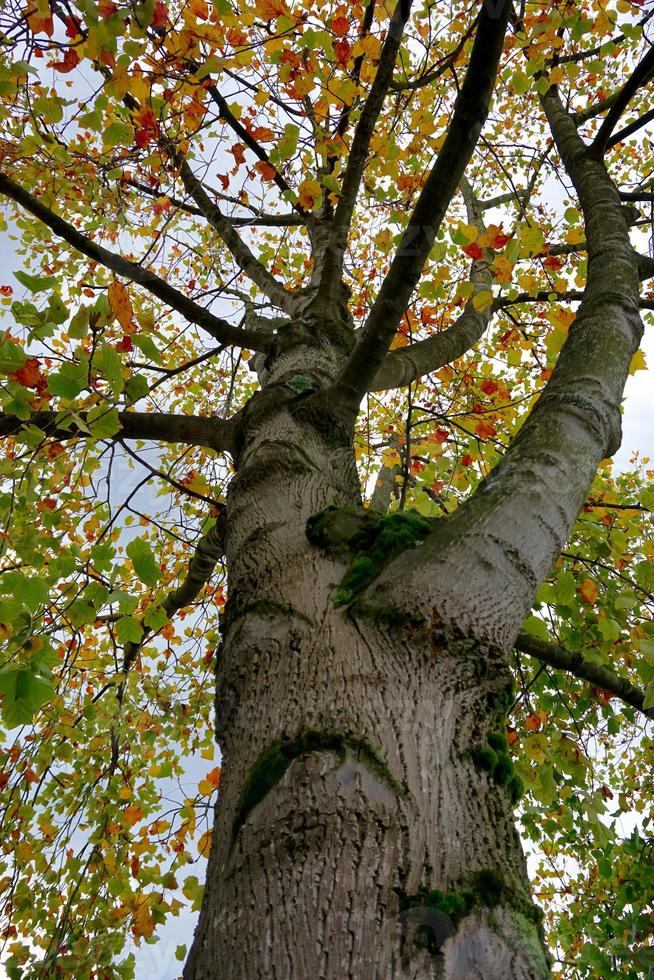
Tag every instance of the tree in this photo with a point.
(361, 289)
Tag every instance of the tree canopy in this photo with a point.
(181, 181)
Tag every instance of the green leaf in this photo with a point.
(36, 284)
(646, 497)
(117, 134)
(103, 422)
(137, 387)
(57, 311)
(155, 617)
(107, 362)
(147, 346)
(68, 381)
(145, 566)
(129, 630)
(22, 693)
(79, 325)
(536, 627)
(12, 357)
(649, 696)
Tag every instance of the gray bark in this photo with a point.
(371, 794)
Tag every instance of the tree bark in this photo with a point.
(364, 827)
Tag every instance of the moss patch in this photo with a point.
(494, 757)
(487, 888)
(273, 762)
(373, 538)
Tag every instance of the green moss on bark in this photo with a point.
(373, 539)
(273, 762)
(486, 888)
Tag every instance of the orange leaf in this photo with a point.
(121, 304)
(132, 814)
(309, 193)
(266, 170)
(588, 591)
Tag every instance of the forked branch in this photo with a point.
(470, 111)
(218, 328)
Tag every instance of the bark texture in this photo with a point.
(362, 829)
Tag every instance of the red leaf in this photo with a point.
(6, 291)
(142, 137)
(473, 250)
(553, 262)
(124, 345)
(160, 14)
(29, 374)
(340, 25)
(500, 240)
(73, 25)
(489, 387)
(266, 170)
(71, 60)
(238, 152)
(342, 50)
(485, 430)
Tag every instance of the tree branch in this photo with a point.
(478, 571)
(360, 144)
(264, 220)
(245, 259)
(228, 116)
(470, 111)
(208, 551)
(407, 364)
(641, 74)
(214, 433)
(220, 329)
(603, 677)
(629, 130)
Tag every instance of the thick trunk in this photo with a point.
(364, 827)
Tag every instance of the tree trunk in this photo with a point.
(364, 827)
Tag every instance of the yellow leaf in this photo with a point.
(204, 844)
(482, 300)
(309, 194)
(205, 788)
(469, 231)
(637, 362)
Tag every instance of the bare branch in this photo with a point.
(223, 331)
(214, 433)
(574, 663)
(470, 111)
